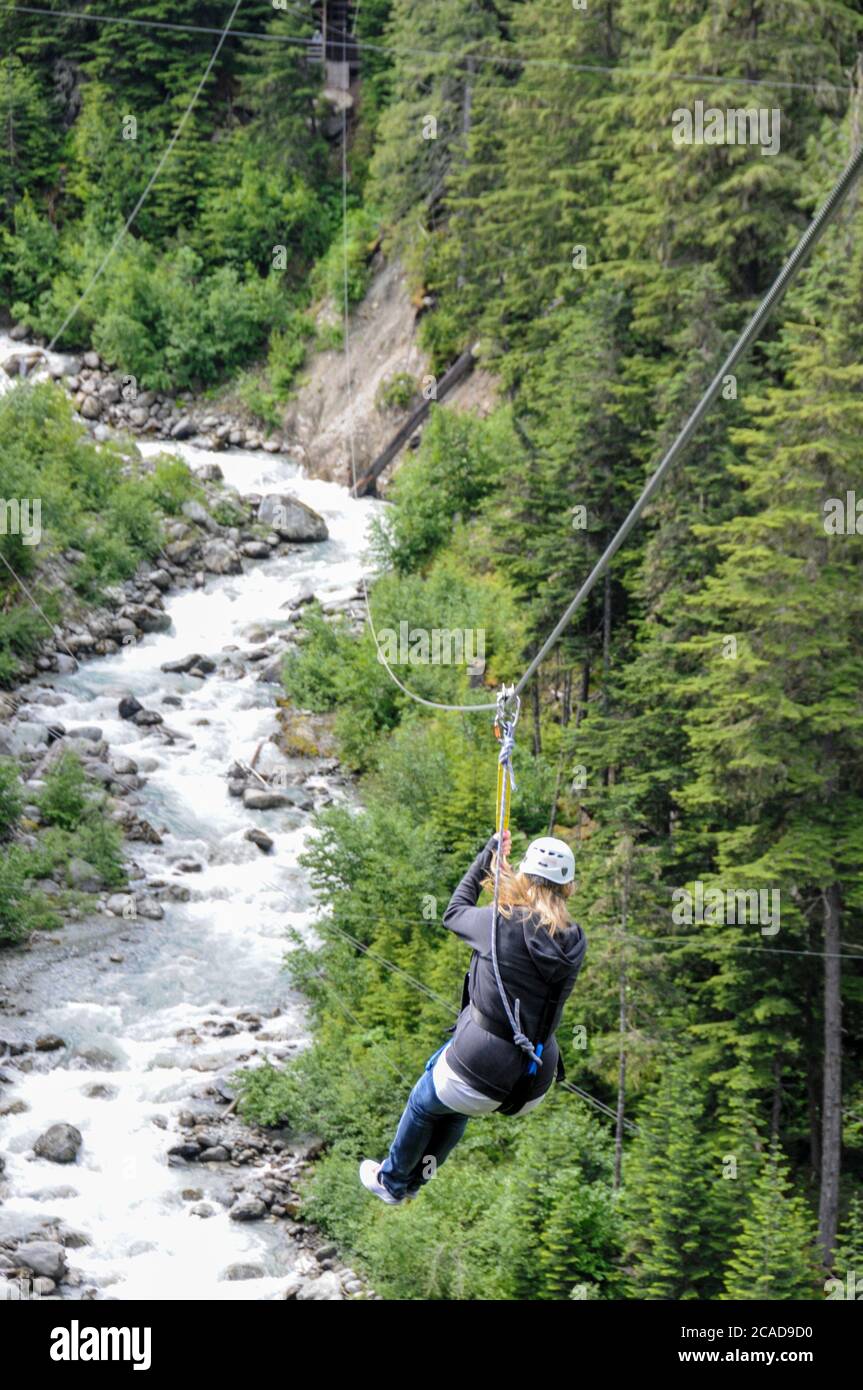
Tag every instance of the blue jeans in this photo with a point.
(428, 1130)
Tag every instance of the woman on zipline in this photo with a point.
(487, 1067)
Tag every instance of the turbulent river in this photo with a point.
(121, 995)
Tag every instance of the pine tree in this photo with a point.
(664, 1193)
(774, 1257)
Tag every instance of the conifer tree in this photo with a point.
(774, 1257)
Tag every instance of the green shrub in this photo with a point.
(22, 632)
(287, 354)
(397, 392)
(171, 483)
(22, 910)
(458, 464)
(11, 796)
(64, 800)
(329, 274)
(100, 843)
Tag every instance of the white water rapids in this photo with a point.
(209, 958)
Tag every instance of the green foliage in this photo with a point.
(774, 1257)
(397, 392)
(460, 461)
(171, 483)
(22, 909)
(64, 800)
(11, 797)
(347, 260)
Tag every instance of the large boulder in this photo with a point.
(248, 1209)
(194, 511)
(262, 799)
(83, 876)
(43, 1257)
(59, 1144)
(218, 557)
(146, 618)
(291, 519)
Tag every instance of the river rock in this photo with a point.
(20, 363)
(129, 707)
(137, 828)
(326, 1288)
(49, 1042)
(184, 664)
(261, 799)
(99, 1091)
(123, 766)
(146, 618)
(271, 673)
(248, 1209)
(44, 1257)
(59, 1144)
(219, 557)
(83, 876)
(91, 407)
(150, 908)
(217, 1154)
(241, 1271)
(144, 718)
(122, 905)
(259, 838)
(92, 360)
(291, 519)
(195, 511)
(255, 550)
(184, 428)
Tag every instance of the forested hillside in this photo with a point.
(699, 726)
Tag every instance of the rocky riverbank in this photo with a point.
(135, 735)
(112, 401)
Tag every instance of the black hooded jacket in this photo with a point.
(531, 962)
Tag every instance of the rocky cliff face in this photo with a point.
(383, 347)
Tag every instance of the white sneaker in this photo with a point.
(370, 1179)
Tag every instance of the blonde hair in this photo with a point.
(539, 896)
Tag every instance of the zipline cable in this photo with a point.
(816, 85)
(805, 245)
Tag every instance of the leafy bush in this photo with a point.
(330, 273)
(11, 796)
(22, 631)
(459, 462)
(100, 842)
(22, 910)
(397, 392)
(65, 800)
(171, 483)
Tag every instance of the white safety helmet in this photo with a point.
(549, 858)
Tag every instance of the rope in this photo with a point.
(506, 785)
